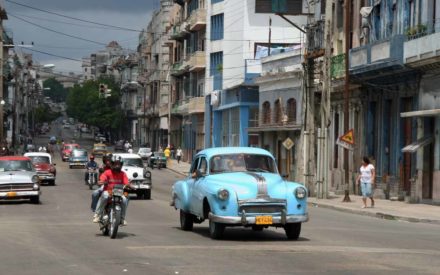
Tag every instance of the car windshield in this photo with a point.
(39, 159)
(133, 162)
(242, 163)
(157, 154)
(144, 150)
(77, 153)
(16, 165)
(99, 148)
(71, 147)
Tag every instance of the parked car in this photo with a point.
(239, 186)
(137, 173)
(66, 150)
(145, 153)
(44, 166)
(99, 149)
(18, 179)
(78, 158)
(157, 159)
(100, 138)
(66, 126)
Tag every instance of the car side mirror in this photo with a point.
(135, 175)
(285, 176)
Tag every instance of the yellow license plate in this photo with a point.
(11, 194)
(263, 220)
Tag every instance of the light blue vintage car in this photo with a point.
(239, 186)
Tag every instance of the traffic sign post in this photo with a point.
(346, 140)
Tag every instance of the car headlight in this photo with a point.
(36, 186)
(35, 179)
(300, 193)
(223, 194)
(147, 174)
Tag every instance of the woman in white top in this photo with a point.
(366, 179)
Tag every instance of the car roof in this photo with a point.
(31, 154)
(79, 149)
(71, 144)
(14, 158)
(233, 150)
(99, 144)
(126, 155)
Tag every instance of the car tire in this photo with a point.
(147, 195)
(293, 230)
(35, 199)
(216, 230)
(52, 183)
(186, 221)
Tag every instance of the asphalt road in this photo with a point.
(58, 237)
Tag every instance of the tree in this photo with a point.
(84, 104)
(56, 90)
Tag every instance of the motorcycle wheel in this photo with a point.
(115, 220)
(105, 231)
(90, 186)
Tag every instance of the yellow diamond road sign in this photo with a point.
(288, 143)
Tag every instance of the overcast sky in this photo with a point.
(132, 14)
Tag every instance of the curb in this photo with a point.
(379, 215)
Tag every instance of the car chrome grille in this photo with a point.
(262, 209)
(16, 187)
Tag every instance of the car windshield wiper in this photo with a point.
(257, 170)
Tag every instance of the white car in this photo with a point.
(137, 173)
(144, 153)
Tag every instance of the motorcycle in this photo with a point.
(92, 176)
(111, 218)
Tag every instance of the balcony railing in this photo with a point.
(179, 31)
(196, 105)
(337, 69)
(197, 20)
(179, 68)
(197, 61)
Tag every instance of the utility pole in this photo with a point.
(1, 80)
(347, 95)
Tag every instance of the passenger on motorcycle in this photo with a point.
(91, 164)
(109, 179)
(106, 165)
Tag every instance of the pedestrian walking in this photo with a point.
(167, 154)
(179, 154)
(366, 179)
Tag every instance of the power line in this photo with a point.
(73, 18)
(54, 55)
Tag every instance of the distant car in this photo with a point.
(99, 149)
(144, 153)
(44, 166)
(78, 158)
(239, 186)
(66, 126)
(100, 138)
(85, 130)
(119, 146)
(132, 164)
(66, 150)
(18, 179)
(29, 148)
(157, 159)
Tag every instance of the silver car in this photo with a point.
(145, 153)
(18, 179)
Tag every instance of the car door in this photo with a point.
(199, 190)
(190, 181)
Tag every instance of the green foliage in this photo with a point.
(417, 30)
(44, 114)
(84, 104)
(57, 92)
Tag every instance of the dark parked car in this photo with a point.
(119, 146)
(157, 159)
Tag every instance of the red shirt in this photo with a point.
(113, 178)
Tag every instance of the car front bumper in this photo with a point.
(250, 220)
(18, 194)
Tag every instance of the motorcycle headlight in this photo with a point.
(223, 194)
(300, 193)
(35, 179)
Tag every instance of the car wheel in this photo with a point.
(52, 183)
(147, 195)
(186, 221)
(292, 230)
(35, 199)
(216, 230)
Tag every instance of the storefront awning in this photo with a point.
(432, 112)
(413, 147)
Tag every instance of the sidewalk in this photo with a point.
(384, 209)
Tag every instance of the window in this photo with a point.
(217, 27)
(279, 6)
(216, 1)
(291, 110)
(278, 111)
(203, 166)
(216, 69)
(266, 113)
(195, 165)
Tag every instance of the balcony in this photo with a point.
(179, 68)
(163, 109)
(252, 70)
(385, 56)
(422, 51)
(337, 69)
(197, 61)
(196, 105)
(179, 31)
(180, 107)
(197, 20)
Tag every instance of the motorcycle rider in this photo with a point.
(106, 165)
(91, 164)
(109, 179)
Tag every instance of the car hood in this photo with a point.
(42, 166)
(78, 159)
(245, 184)
(16, 177)
(129, 170)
